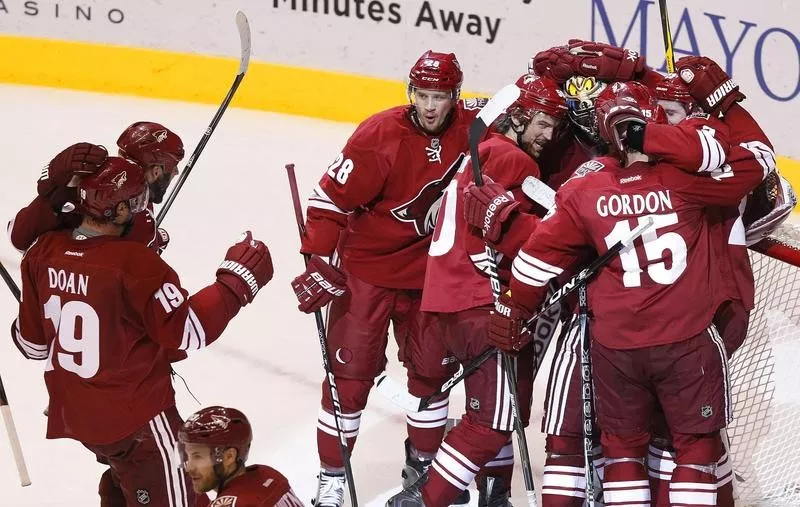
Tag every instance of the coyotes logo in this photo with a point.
(120, 179)
(424, 207)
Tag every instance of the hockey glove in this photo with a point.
(487, 207)
(604, 61)
(505, 325)
(556, 63)
(160, 241)
(77, 160)
(708, 84)
(247, 267)
(318, 285)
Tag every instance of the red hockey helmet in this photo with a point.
(538, 94)
(219, 428)
(629, 101)
(118, 180)
(436, 71)
(151, 143)
(671, 87)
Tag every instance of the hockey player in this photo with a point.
(213, 445)
(151, 145)
(381, 193)
(750, 158)
(103, 311)
(458, 296)
(651, 311)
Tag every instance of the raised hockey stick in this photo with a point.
(323, 343)
(244, 36)
(490, 112)
(667, 32)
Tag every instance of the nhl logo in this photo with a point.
(474, 404)
(706, 411)
(687, 75)
(142, 496)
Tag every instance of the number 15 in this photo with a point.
(654, 248)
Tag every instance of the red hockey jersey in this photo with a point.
(259, 486)
(103, 313)
(737, 150)
(384, 190)
(454, 279)
(663, 290)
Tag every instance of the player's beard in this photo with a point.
(158, 188)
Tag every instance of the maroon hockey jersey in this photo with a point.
(259, 486)
(103, 313)
(455, 278)
(736, 150)
(665, 288)
(383, 189)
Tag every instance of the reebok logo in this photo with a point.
(630, 179)
(492, 209)
(73, 254)
(721, 92)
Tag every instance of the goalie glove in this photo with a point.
(506, 322)
(768, 207)
(604, 61)
(318, 285)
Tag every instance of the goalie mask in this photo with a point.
(581, 95)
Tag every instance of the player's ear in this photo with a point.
(229, 457)
(123, 213)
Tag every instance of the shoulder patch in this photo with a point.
(474, 103)
(592, 166)
(224, 501)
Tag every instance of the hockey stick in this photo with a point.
(490, 112)
(538, 192)
(244, 36)
(13, 438)
(587, 395)
(323, 343)
(12, 285)
(665, 29)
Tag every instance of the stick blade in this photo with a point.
(538, 192)
(498, 104)
(245, 38)
(395, 393)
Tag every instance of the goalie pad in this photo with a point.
(767, 207)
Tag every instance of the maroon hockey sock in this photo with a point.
(426, 428)
(564, 481)
(691, 487)
(353, 398)
(625, 481)
(467, 448)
